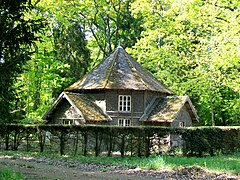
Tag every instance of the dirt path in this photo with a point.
(53, 169)
(35, 170)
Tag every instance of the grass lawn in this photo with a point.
(8, 174)
(220, 163)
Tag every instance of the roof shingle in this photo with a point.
(85, 105)
(119, 71)
(166, 109)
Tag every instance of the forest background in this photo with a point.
(192, 46)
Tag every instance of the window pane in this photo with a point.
(124, 122)
(124, 103)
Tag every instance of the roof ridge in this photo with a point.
(116, 52)
(132, 66)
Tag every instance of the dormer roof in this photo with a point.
(119, 71)
(84, 105)
(167, 109)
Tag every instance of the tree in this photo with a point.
(18, 36)
(40, 83)
(109, 23)
(193, 47)
(70, 48)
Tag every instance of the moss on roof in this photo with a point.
(119, 71)
(86, 104)
(166, 109)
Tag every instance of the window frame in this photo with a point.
(67, 122)
(181, 124)
(124, 122)
(124, 103)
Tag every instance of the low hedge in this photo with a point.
(138, 140)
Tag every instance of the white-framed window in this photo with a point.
(124, 103)
(67, 122)
(124, 122)
(181, 124)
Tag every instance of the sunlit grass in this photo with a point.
(220, 163)
(8, 174)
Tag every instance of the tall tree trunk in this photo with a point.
(122, 148)
(85, 143)
(211, 106)
(76, 143)
(110, 144)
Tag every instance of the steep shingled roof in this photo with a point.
(119, 71)
(84, 104)
(166, 109)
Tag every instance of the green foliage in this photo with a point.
(221, 163)
(7, 174)
(211, 140)
(134, 141)
(18, 36)
(40, 83)
(107, 24)
(70, 48)
(193, 47)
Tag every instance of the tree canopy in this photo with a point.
(17, 38)
(193, 47)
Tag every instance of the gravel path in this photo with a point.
(50, 168)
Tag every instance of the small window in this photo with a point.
(124, 103)
(67, 122)
(124, 122)
(181, 124)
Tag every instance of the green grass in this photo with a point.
(220, 163)
(8, 174)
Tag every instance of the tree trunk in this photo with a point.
(211, 105)
(110, 145)
(96, 144)
(139, 146)
(76, 144)
(41, 139)
(147, 146)
(122, 148)
(62, 143)
(85, 142)
(27, 139)
(7, 141)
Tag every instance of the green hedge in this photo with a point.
(134, 140)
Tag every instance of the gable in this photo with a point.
(64, 110)
(76, 106)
